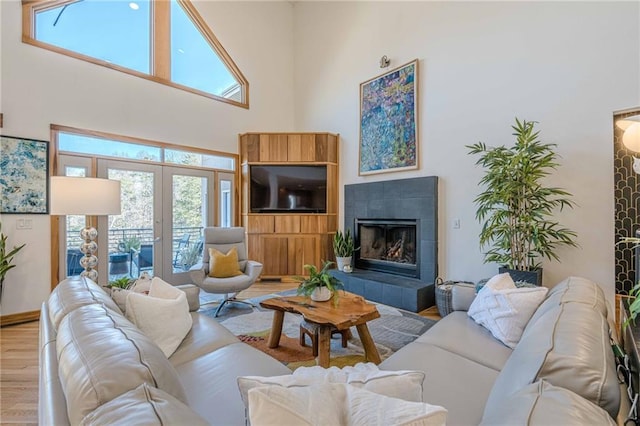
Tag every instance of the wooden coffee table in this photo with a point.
(351, 310)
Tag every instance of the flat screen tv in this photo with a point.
(288, 188)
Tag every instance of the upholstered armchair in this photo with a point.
(223, 240)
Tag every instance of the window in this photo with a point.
(178, 50)
(105, 145)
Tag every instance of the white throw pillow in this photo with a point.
(504, 309)
(163, 315)
(337, 404)
(402, 384)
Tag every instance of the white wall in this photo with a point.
(568, 65)
(39, 87)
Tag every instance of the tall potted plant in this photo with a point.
(516, 208)
(343, 247)
(6, 259)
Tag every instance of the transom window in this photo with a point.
(165, 41)
(104, 146)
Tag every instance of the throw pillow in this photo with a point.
(163, 315)
(223, 265)
(504, 309)
(403, 384)
(337, 404)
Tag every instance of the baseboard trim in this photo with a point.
(19, 318)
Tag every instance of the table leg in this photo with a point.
(370, 350)
(324, 345)
(276, 329)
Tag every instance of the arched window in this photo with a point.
(164, 41)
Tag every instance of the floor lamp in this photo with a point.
(89, 197)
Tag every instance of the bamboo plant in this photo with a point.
(516, 208)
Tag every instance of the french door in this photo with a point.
(160, 228)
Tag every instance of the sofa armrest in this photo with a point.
(193, 295)
(462, 296)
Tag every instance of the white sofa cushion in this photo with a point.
(337, 404)
(504, 309)
(403, 384)
(163, 314)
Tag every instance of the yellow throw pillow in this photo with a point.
(223, 265)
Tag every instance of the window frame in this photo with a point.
(160, 43)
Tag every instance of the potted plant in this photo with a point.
(319, 285)
(6, 259)
(343, 247)
(516, 208)
(190, 255)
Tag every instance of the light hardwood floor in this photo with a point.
(19, 361)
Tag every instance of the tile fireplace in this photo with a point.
(395, 224)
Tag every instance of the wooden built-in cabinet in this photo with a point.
(285, 242)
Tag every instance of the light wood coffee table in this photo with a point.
(351, 310)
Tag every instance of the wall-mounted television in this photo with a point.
(288, 188)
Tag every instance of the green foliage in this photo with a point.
(343, 245)
(515, 208)
(317, 279)
(189, 256)
(128, 244)
(124, 282)
(6, 258)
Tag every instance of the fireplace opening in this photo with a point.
(388, 245)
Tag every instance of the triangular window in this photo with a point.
(178, 50)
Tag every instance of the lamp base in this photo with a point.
(89, 247)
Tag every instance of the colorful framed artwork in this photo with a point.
(24, 176)
(388, 121)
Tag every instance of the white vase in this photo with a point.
(321, 294)
(341, 262)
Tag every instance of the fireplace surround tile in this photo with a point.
(414, 198)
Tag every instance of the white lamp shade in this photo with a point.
(84, 196)
(626, 122)
(631, 137)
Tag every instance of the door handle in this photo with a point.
(157, 240)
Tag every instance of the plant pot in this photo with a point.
(533, 277)
(341, 262)
(321, 294)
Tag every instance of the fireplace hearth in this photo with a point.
(388, 245)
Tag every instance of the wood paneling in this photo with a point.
(276, 256)
(303, 250)
(289, 241)
(332, 189)
(313, 224)
(260, 224)
(287, 224)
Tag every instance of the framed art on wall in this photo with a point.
(388, 121)
(24, 176)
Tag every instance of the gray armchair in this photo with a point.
(223, 239)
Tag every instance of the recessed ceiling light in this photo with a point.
(134, 5)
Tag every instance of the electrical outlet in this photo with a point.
(456, 223)
(24, 224)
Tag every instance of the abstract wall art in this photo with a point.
(24, 176)
(388, 121)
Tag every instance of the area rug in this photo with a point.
(394, 329)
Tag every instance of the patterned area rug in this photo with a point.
(394, 329)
